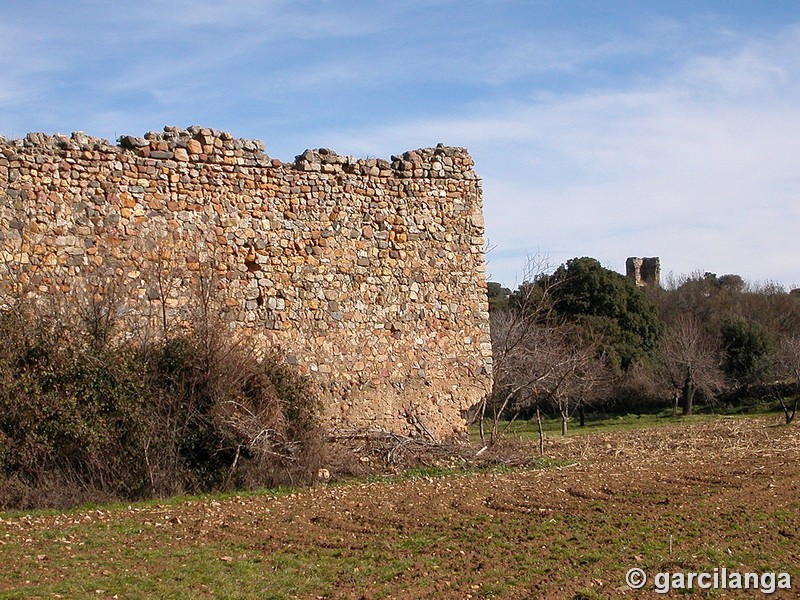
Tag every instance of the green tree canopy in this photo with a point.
(498, 295)
(609, 307)
(749, 350)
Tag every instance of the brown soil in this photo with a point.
(727, 493)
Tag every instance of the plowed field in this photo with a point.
(679, 498)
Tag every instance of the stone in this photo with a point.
(129, 141)
(368, 273)
(644, 272)
(194, 147)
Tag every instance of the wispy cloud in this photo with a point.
(173, 55)
(20, 69)
(664, 130)
(698, 166)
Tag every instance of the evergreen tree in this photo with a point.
(609, 307)
(749, 350)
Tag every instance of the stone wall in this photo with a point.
(368, 273)
(644, 272)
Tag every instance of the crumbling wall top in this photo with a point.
(206, 145)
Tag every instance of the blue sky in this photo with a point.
(600, 128)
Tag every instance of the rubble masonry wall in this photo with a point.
(368, 273)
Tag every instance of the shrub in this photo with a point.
(229, 419)
(87, 414)
(749, 350)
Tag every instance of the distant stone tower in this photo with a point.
(644, 272)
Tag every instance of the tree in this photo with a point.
(789, 368)
(539, 356)
(612, 312)
(770, 305)
(749, 350)
(498, 296)
(536, 362)
(689, 361)
(516, 334)
(575, 373)
(715, 300)
(707, 298)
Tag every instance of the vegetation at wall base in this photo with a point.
(88, 413)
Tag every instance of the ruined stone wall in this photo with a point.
(368, 273)
(644, 272)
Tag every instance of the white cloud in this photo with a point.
(19, 67)
(669, 136)
(699, 167)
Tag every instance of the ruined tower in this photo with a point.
(644, 272)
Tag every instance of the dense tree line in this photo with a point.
(584, 336)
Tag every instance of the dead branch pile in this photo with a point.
(376, 450)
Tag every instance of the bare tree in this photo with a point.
(788, 367)
(517, 370)
(689, 362)
(537, 357)
(516, 333)
(575, 371)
